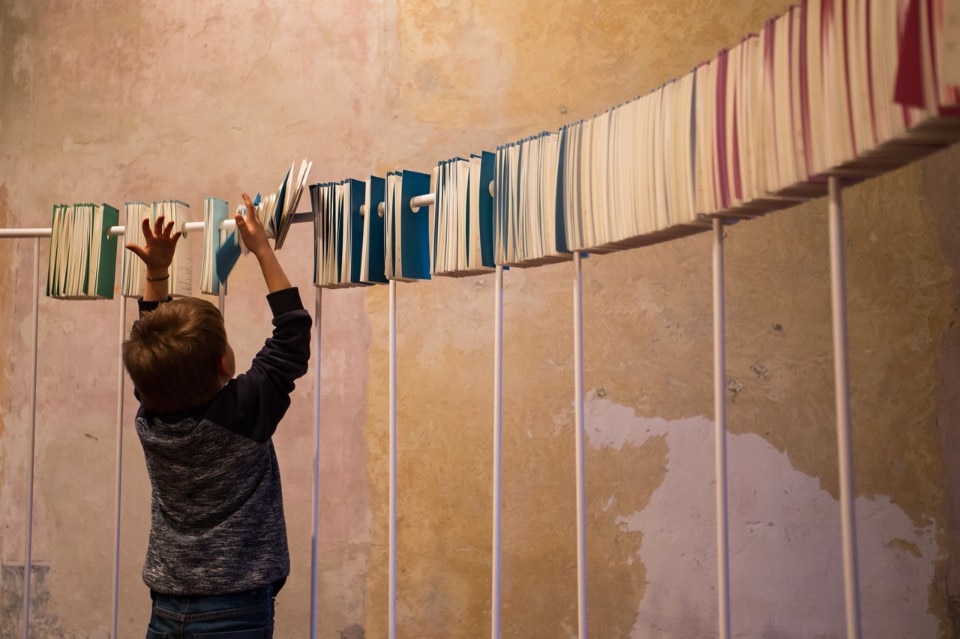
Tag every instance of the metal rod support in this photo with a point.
(118, 487)
(315, 546)
(28, 551)
(580, 469)
(497, 449)
(392, 615)
(841, 369)
(720, 435)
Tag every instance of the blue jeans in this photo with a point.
(239, 615)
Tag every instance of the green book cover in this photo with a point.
(106, 261)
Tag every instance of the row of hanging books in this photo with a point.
(83, 247)
(850, 88)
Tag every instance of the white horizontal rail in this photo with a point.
(417, 202)
(428, 199)
(25, 232)
(120, 231)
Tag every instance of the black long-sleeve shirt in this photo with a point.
(217, 523)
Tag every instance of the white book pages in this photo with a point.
(461, 237)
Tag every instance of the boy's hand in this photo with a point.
(255, 238)
(251, 230)
(159, 246)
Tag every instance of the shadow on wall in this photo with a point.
(353, 631)
(43, 624)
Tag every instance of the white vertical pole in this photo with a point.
(118, 491)
(28, 560)
(578, 403)
(497, 448)
(393, 461)
(844, 440)
(720, 424)
(315, 552)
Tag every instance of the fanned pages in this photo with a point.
(181, 269)
(133, 270)
(338, 233)
(463, 216)
(276, 212)
(527, 208)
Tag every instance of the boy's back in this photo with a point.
(217, 512)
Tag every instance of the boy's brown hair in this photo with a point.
(173, 355)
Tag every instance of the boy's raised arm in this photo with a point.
(255, 239)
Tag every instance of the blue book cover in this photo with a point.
(229, 252)
(373, 221)
(277, 214)
(337, 207)
(487, 172)
(357, 196)
(414, 228)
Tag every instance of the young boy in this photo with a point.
(217, 554)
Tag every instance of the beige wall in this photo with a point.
(118, 101)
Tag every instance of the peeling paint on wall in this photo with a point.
(784, 541)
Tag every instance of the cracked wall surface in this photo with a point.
(119, 101)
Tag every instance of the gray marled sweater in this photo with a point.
(217, 522)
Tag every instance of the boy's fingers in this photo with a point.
(147, 232)
(136, 249)
(251, 209)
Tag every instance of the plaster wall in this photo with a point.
(118, 101)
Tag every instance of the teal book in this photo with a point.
(83, 253)
(104, 259)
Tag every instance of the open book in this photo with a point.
(463, 216)
(406, 232)
(181, 269)
(338, 233)
(83, 257)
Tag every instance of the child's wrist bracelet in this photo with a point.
(158, 279)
